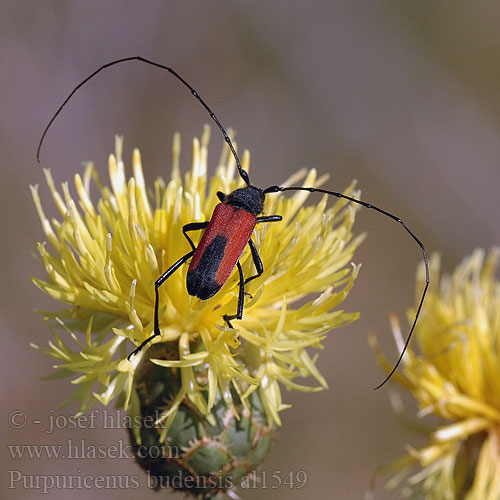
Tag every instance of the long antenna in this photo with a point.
(243, 173)
(275, 189)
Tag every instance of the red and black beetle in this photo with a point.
(230, 229)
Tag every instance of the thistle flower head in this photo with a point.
(456, 378)
(102, 259)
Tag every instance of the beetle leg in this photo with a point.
(222, 196)
(171, 270)
(256, 260)
(269, 218)
(255, 254)
(193, 226)
(241, 299)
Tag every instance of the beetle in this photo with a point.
(230, 228)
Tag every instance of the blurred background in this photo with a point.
(402, 96)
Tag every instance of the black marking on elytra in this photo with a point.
(201, 280)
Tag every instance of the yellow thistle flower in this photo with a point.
(456, 377)
(105, 257)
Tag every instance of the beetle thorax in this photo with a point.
(249, 198)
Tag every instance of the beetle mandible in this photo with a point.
(230, 228)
